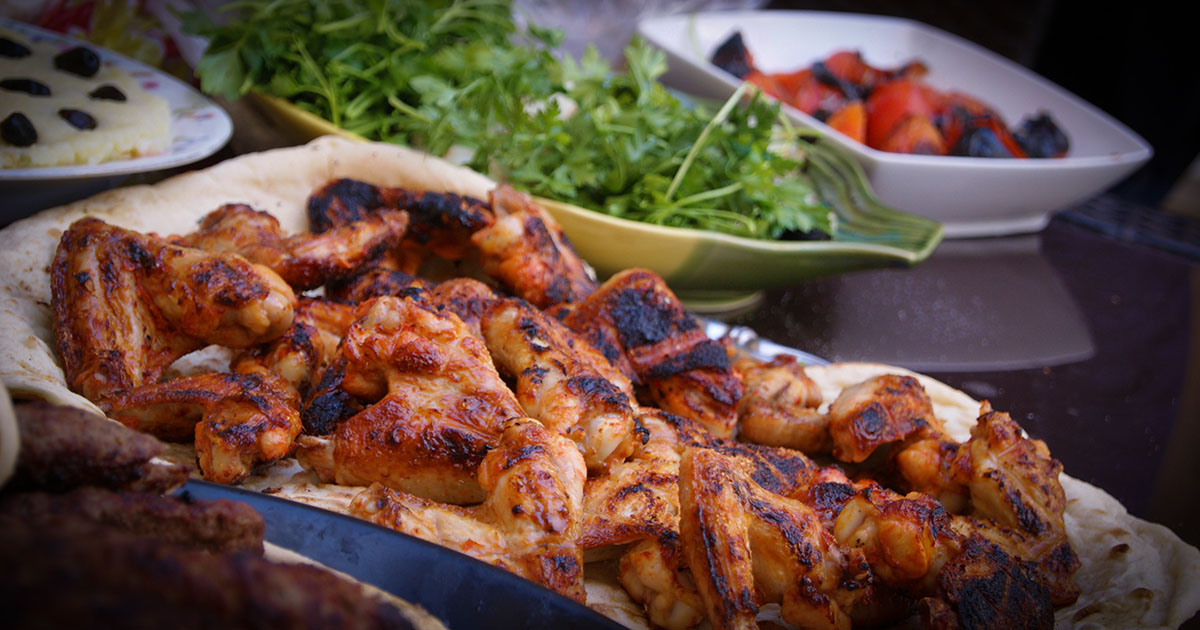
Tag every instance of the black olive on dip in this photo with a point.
(107, 92)
(28, 86)
(78, 60)
(17, 130)
(77, 119)
(13, 50)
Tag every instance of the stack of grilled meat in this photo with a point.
(454, 360)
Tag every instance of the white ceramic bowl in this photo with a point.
(969, 196)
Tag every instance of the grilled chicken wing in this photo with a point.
(779, 406)
(557, 381)
(746, 546)
(529, 522)
(127, 305)
(907, 539)
(237, 420)
(1014, 484)
(302, 353)
(654, 573)
(432, 404)
(984, 587)
(306, 260)
(876, 412)
(468, 298)
(376, 282)
(637, 498)
(527, 252)
(441, 224)
(639, 324)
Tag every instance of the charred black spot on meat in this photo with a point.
(526, 452)
(987, 588)
(596, 389)
(432, 214)
(642, 319)
(871, 421)
(708, 354)
(534, 374)
(330, 405)
(340, 202)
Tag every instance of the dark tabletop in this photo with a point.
(1088, 339)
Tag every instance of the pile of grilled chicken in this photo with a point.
(454, 358)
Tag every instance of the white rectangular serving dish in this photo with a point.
(971, 197)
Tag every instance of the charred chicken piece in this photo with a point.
(878, 411)
(432, 404)
(984, 587)
(127, 305)
(376, 282)
(655, 573)
(558, 383)
(529, 522)
(468, 298)
(1014, 484)
(440, 223)
(304, 260)
(237, 420)
(639, 324)
(636, 499)
(301, 355)
(907, 539)
(747, 546)
(341, 202)
(527, 252)
(780, 406)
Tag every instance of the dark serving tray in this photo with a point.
(463, 592)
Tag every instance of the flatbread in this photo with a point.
(1133, 574)
(10, 437)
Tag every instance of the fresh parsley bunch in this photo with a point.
(460, 73)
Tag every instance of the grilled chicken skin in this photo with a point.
(127, 305)
(747, 546)
(558, 382)
(236, 420)
(432, 404)
(304, 260)
(780, 406)
(301, 354)
(440, 224)
(529, 522)
(639, 324)
(528, 253)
